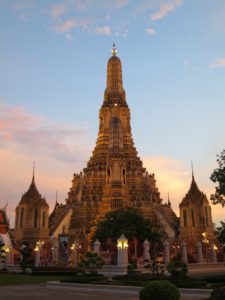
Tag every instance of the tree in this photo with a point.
(127, 221)
(218, 177)
(27, 260)
(220, 234)
(90, 262)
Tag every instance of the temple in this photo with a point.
(114, 177)
(195, 217)
(31, 222)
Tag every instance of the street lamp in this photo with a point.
(205, 241)
(111, 239)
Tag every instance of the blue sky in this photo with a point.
(53, 58)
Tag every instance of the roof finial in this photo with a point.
(56, 197)
(33, 182)
(169, 203)
(114, 50)
(192, 169)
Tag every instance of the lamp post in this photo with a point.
(74, 248)
(37, 250)
(205, 241)
(111, 249)
(111, 239)
(122, 245)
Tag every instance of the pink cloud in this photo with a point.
(59, 150)
(150, 31)
(58, 10)
(218, 63)
(38, 135)
(66, 26)
(165, 8)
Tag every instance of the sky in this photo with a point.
(53, 58)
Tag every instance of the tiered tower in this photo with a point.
(114, 177)
(31, 223)
(195, 217)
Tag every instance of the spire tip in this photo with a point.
(114, 50)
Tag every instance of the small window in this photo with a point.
(43, 218)
(206, 216)
(193, 217)
(35, 217)
(17, 218)
(21, 217)
(185, 217)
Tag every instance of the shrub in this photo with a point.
(218, 294)
(90, 262)
(177, 269)
(160, 290)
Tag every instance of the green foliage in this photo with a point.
(177, 269)
(127, 221)
(218, 177)
(220, 233)
(218, 294)
(27, 260)
(160, 290)
(90, 262)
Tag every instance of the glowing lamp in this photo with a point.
(122, 242)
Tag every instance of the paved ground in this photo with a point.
(82, 292)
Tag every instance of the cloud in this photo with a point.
(165, 8)
(36, 135)
(218, 63)
(174, 176)
(148, 5)
(23, 4)
(105, 30)
(121, 3)
(59, 150)
(150, 31)
(58, 10)
(66, 26)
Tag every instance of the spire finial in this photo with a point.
(169, 203)
(114, 50)
(192, 169)
(33, 181)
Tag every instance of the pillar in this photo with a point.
(55, 252)
(97, 245)
(9, 257)
(37, 257)
(146, 253)
(214, 256)
(199, 253)
(184, 252)
(166, 246)
(122, 245)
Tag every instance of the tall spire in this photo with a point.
(114, 93)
